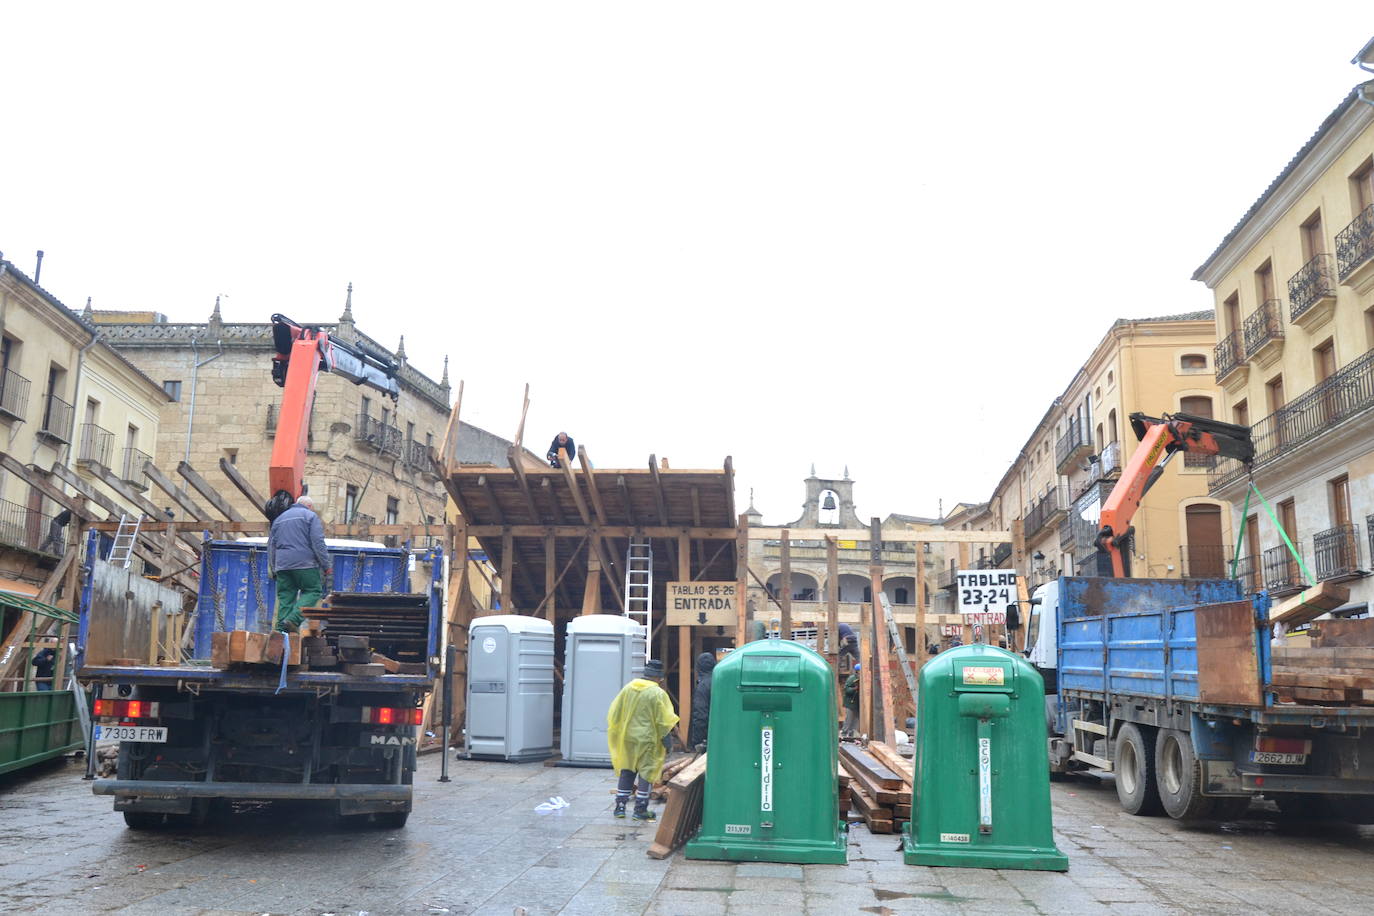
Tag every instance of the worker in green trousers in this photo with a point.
(299, 562)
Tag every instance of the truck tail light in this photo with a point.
(392, 715)
(126, 709)
(1273, 745)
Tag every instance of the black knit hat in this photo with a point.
(653, 669)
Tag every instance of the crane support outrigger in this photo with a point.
(1160, 439)
(302, 354)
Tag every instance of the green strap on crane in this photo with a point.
(1307, 573)
(1240, 541)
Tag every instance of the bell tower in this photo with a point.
(829, 503)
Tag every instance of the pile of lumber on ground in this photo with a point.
(670, 769)
(310, 649)
(1324, 675)
(682, 815)
(880, 787)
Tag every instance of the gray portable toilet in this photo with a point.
(510, 688)
(603, 653)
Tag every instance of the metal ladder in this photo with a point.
(895, 635)
(639, 587)
(122, 551)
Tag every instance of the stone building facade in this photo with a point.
(367, 458)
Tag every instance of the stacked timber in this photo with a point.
(1324, 675)
(310, 650)
(880, 794)
(682, 814)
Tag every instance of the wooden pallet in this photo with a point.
(682, 815)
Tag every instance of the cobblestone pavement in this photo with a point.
(476, 845)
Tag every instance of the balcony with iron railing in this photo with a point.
(31, 530)
(57, 419)
(1066, 533)
(1346, 394)
(1263, 331)
(1205, 561)
(417, 455)
(1228, 355)
(1355, 249)
(1048, 510)
(1312, 291)
(1336, 553)
(947, 578)
(14, 395)
(383, 437)
(1249, 573)
(1072, 447)
(96, 444)
(1282, 574)
(132, 471)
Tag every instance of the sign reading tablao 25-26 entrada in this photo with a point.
(984, 595)
(702, 604)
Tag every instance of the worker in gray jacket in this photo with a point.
(299, 562)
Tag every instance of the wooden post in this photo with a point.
(550, 577)
(881, 651)
(832, 613)
(742, 580)
(865, 668)
(507, 573)
(154, 624)
(591, 594)
(963, 564)
(785, 626)
(685, 662)
(1018, 563)
(919, 579)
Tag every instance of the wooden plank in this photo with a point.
(448, 448)
(243, 486)
(368, 670)
(1309, 604)
(682, 813)
(832, 599)
(1301, 655)
(742, 579)
(1318, 679)
(860, 534)
(685, 662)
(210, 494)
(884, 727)
(857, 757)
(785, 624)
(507, 596)
(177, 495)
(1328, 634)
(888, 756)
(1228, 669)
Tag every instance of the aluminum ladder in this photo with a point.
(122, 551)
(896, 636)
(639, 587)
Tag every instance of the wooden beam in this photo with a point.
(524, 411)
(660, 501)
(882, 650)
(685, 662)
(546, 486)
(168, 486)
(625, 499)
(507, 574)
(696, 523)
(243, 486)
(920, 588)
(609, 548)
(729, 485)
(591, 590)
(832, 599)
(742, 580)
(785, 625)
(139, 501)
(485, 483)
(513, 460)
(550, 577)
(211, 495)
(1018, 563)
(859, 534)
(607, 562)
(38, 480)
(448, 450)
(144, 547)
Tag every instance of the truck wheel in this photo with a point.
(143, 820)
(1134, 764)
(1179, 777)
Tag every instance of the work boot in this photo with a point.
(620, 807)
(642, 812)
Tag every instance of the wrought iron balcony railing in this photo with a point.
(14, 394)
(1109, 462)
(57, 419)
(1204, 561)
(417, 455)
(1337, 552)
(1249, 574)
(383, 437)
(23, 527)
(1044, 511)
(1355, 243)
(946, 578)
(96, 444)
(132, 469)
(1350, 391)
(1263, 326)
(1228, 355)
(1066, 533)
(1282, 574)
(1076, 443)
(1314, 281)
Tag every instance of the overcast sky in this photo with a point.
(882, 235)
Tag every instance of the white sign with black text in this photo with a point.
(986, 594)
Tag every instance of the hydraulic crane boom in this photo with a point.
(1160, 439)
(302, 354)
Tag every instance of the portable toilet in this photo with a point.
(510, 688)
(982, 793)
(773, 751)
(603, 653)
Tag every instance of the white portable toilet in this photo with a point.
(510, 688)
(603, 653)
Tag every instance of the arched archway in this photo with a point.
(854, 588)
(900, 590)
(804, 586)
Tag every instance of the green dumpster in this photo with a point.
(982, 793)
(771, 792)
(37, 725)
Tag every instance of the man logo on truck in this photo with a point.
(391, 741)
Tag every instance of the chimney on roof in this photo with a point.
(38, 268)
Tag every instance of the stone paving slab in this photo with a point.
(476, 846)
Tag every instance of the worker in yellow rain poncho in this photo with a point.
(639, 718)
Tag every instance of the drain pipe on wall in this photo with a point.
(76, 399)
(1365, 61)
(196, 363)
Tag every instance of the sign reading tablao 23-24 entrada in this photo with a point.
(984, 595)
